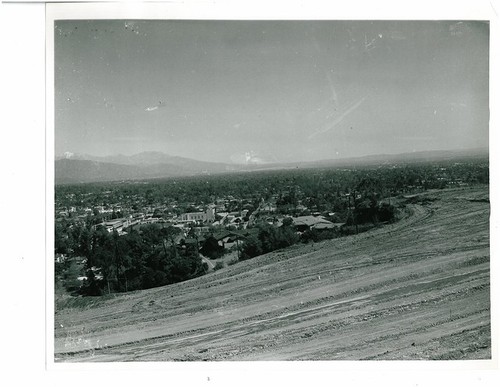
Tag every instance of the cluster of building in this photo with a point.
(227, 219)
(210, 219)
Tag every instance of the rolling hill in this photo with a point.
(140, 166)
(150, 165)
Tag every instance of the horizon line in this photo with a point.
(474, 149)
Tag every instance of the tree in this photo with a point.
(267, 237)
(251, 248)
(287, 222)
(62, 240)
(286, 236)
(91, 286)
(387, 212)
(211, 248)
(151, 235)
(366, 212)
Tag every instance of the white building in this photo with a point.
(207, 216)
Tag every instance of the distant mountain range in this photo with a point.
(76, 168)
(79, 168)
(403, 158)
(144, 159)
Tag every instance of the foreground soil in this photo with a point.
(415, 289)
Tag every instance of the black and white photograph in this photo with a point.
(270, 190)
(292, 194)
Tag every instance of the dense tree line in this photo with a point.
(370, 211)
(267, 239)
(364, 216)
(141, 259)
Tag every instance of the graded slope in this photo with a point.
(416, 289)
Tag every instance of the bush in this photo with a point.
(314, 235)
(219, 265)
(387, 212)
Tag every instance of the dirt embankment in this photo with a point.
(416, 289)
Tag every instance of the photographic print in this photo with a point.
(262, 190)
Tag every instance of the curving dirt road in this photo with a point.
(416, 289)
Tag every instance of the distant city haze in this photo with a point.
(270, 91)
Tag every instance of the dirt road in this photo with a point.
(209, 263)
(416, 289)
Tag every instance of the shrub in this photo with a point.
(219, 265)
(387, 212)
(314, 235)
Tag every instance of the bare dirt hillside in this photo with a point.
(416, 289)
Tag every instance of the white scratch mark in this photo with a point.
(339, 119)
(152, 108)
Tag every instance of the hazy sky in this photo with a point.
(276, 90)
